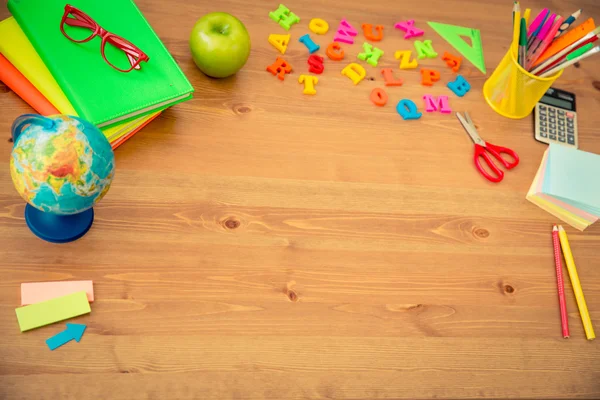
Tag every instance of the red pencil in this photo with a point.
(564, 321)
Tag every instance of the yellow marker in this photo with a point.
(404, 57)
(309, 83)
(583, 311)
(318, 26)
(526, 15)
(355, 72)
(280, 42)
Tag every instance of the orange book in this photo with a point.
(567, 39)
(24, 89)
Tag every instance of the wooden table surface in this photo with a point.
(261, 243)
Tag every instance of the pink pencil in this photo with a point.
(564, 318)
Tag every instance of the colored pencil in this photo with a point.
(562, 303)
(583, 310)
(565, 25)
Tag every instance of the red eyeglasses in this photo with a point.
(119, 53)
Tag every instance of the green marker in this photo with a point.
(523, 43)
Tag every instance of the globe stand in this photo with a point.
(58, 228)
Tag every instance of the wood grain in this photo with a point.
(261, 244)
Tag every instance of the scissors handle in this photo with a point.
(497, 152)
(481, 153)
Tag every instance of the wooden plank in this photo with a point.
(262, 244)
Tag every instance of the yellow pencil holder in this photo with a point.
(513, 92)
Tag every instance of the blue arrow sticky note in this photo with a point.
(73, 332)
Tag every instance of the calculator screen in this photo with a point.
(557, 102)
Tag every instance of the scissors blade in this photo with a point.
(470, 128)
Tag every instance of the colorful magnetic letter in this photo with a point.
(355, 72)
(379, 97)
(36, 292)
(335, 52)
(280, 42)
(51, 311)
(371, 54)
(460, 86)
(452, 61)
(424, 49)
(315, 64)
(310, 45)
(408, 109)
(428, 76)
(404, 57)
(344, 33)
(280, 67)
(388, 76)
(432, 104)
(73, 332)
(368, 31)
(318, 26)
(409, 28)
(284, 17)
(309, 83)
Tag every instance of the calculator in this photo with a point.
(556, 119)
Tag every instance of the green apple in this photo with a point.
(220, 44)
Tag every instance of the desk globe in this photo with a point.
(61, 165)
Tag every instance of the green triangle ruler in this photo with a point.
(453, 35)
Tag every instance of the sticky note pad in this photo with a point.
(50, 311)
(36, 292)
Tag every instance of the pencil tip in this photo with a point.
(554, 228)
(560, 228)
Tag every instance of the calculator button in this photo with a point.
(542, 107)
(542, 117)
(543, 134)
(552, 131)
(561, 122)
(551, 111)
(571, 139)
(552, 126)
(552, 137)
(561, 139)
(561, 112)
(570, 131)
(561, 133)
(570, 115)
(552, 119)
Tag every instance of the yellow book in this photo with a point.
(15, 46)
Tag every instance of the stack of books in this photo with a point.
(566, 185)
(70, 59)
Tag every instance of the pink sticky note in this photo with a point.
(36, 292)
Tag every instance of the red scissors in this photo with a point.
(482, 148)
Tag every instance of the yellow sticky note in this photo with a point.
(51, 311)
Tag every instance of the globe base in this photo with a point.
(58, 228)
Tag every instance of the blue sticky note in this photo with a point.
(572, 176)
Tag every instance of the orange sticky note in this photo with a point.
(36, 292)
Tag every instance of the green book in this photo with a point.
(98, 92)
